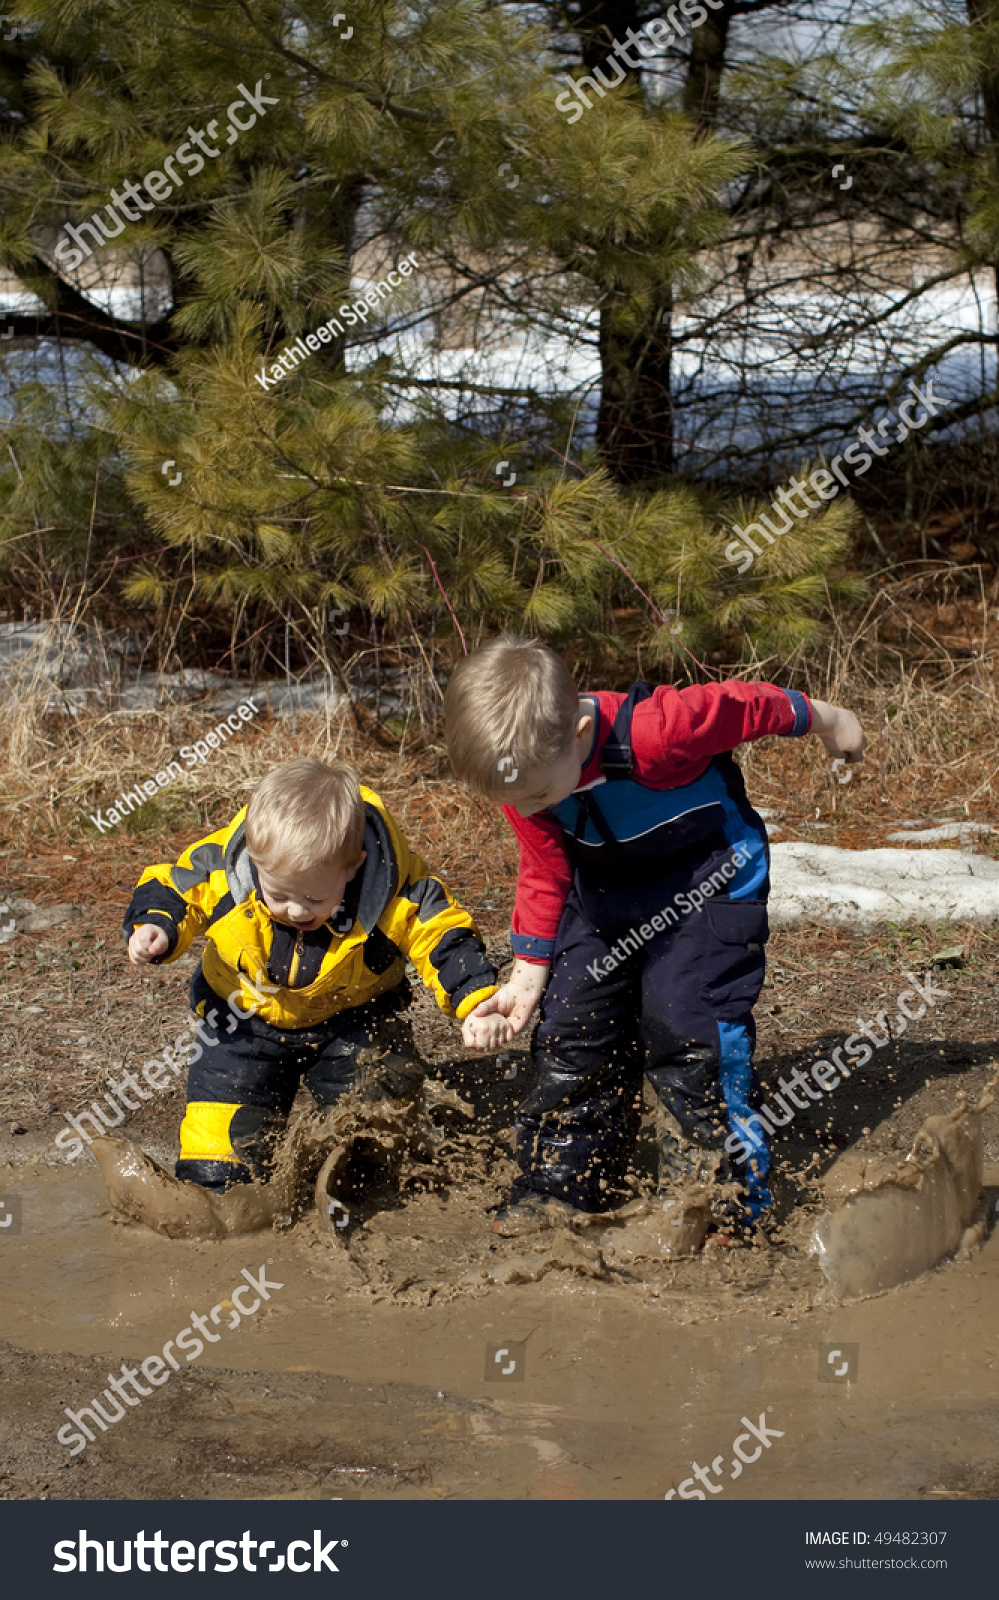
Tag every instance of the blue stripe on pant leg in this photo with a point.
(736, 1077)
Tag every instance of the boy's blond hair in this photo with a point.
(511, 707)
(306, 814)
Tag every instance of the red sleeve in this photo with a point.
(676, 732)
(675, 735)
(544, 879)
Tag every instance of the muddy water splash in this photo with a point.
(140, 1190)
(656, 1230)
(895, 1222)
(357, 1163)
(647, 1229)
(355, 1147)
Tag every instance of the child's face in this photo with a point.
(547, 786)
(305, 899)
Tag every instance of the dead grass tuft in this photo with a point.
(927, 701)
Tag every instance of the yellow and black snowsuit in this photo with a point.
(279, 1004)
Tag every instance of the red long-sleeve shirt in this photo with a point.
(675, 734)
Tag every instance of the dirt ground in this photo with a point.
(366, 1379)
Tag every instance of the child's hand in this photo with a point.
(839, 730)
(485, 1033)
(514, 1002)
(146, 943)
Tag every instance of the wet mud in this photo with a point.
(349, 1169)
(637, 1346)
(895, 1222)
(141, 1190)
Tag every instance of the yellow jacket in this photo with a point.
(393, 910)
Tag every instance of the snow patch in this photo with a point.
(964, 832)
(862, 888)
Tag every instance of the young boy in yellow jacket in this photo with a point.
(311, 902)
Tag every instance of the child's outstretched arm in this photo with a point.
(839, 730)
(172, 903)
(506, 1013)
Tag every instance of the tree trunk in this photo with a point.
(342, 222)
(635, 418)
(705, 67)
(599, 23)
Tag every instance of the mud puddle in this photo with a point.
(372, 1371)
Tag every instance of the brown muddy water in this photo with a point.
(415, 1354)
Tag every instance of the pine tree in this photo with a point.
(306, 493)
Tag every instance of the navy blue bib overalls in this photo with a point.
(645, 979)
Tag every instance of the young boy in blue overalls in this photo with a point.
(640, 918)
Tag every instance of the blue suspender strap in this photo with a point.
(616, 758)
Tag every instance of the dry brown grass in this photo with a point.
(918, 666)
(58, 770)
(931, 716)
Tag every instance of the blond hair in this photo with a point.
(306, 814)
(510, 707)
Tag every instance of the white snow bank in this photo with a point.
(964, 832)
(861, 888)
